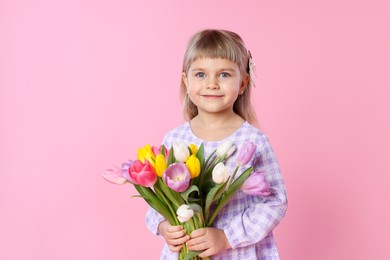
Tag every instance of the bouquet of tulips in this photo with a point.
(187, 188)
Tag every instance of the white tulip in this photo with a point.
(184, 213)
(224, 148)
(181, 151)
(231, 151)
(220, 173)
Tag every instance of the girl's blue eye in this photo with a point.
(224, 75)
(200, 74)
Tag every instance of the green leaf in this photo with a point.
(186, 193)
(193, 200)
(212, 196)
(171, 157)
(207, 186)
(209, 158)
(228, 194)
(200, 155)
(162, 150)
(191, 254)
(151, 198)
(172, 195)
(237, 183)
(195, 207)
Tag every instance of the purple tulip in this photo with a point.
(246, 153)
(256, 184)
(177, 177)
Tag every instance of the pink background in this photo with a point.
(85, 83)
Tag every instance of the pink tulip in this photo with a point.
(246, 153)
(177, 177)
(157, 151)
(256, 184)
(141, 173)
(114, 175)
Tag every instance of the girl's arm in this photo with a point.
(264, 213)
(153, 219)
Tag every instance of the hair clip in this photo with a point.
(251, 69)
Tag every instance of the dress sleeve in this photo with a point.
(153, 219)
(263, 213)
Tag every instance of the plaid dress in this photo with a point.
(247, 220)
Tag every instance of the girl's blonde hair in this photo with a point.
(219, 44)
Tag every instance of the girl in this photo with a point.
(216, 94)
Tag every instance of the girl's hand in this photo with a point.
(209, 240)
(175, 236)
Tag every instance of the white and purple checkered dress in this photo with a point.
(247, 220)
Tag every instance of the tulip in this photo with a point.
(114, 175)
(160, 164)
(246, 153)
(193, 166)
(256, 184)
(184, 213)
(231, 151)
(146, 153)
(157, 151)
(180, 151)
(223, 148)
(141, 174)
(193, 148)
(220, 173)
(177, 177)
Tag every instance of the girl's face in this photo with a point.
(213, 85)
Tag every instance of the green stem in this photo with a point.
(232, 177)
(161, 195)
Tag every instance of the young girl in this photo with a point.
(216, 87)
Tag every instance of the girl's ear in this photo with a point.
(184, 79)
(244, 84)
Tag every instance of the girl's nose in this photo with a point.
(212, 83)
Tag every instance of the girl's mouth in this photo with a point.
(212, 96)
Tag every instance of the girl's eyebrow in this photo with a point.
(223, 69)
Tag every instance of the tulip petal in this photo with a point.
(177, 177)
(114, 175)
(146, 178)
(184, 213)
(256, 184)
(246, 153)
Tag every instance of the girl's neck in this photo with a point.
(215, 128)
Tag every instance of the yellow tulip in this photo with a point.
(193, 148)
(160, 165)
(146, 153)
(193, 166)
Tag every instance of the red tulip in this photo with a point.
(142, 174)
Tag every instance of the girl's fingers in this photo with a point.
(177, 234)
(198, 232)
(175, 228)
(178, 241)
(197, 244)
(175, 248)
(197, 247)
